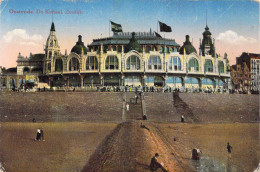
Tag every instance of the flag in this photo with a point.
(157, 35)
(116, 27)
(164, 27)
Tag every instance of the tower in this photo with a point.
(207, 46)
(52, 50)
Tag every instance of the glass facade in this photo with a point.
(112, 63)
(154, 63)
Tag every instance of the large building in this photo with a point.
(142, 59)
(245, 73)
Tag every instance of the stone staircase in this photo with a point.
(135, 110)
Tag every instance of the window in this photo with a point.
(112, 62)
(133, 63)
(74, 64)
(154, 63)
(208, 67)
(193, 65)
(58, 65)
(220, 67)
(175, 63)
(92, 63)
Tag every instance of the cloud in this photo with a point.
(232, 37)
(257, 1)
(22, 37)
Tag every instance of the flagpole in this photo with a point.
(157, 25)
(109, 27)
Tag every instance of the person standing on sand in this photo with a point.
(154, 165)
(182, 118)
(229, 149)
(38, 134)
(127, 107)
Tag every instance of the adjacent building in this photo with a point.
(245, 73)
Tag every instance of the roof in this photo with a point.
(32, 58)
(10, 70)
(123, 38)
(79, 46)
(187, 46)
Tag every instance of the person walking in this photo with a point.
(229, 147)
(127, 107)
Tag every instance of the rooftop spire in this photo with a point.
(52, 27)
(206, 17)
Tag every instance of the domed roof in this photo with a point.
(206, 32)
(187, 46)
(79, 46)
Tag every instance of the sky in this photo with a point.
(234, 24)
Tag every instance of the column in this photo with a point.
(82, 80)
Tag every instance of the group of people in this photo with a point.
(39, 135)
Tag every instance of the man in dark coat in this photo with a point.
(154, 165)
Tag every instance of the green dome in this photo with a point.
(133, 44)
(187, 46)
(79, 46)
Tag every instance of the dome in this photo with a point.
(79, 47)
(187, 46)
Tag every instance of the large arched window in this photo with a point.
(208, 67)
(154, 63)
(175, 63)
(92, 63)
(26, 70)
(58, 65)
(133, 63)
(220, 67)
(112, 62)
(193, 65)
(74, 64)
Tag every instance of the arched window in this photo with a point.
(175, 63)
(154, 63)
(220, 67)
(74, 64)
(58, 65)
(133, 63)
(171, 50)
(208, 67)
(50, 54)
(92, 63)
(193, 65)
(112, 62)
(26, 70)
(207, 81)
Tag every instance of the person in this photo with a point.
(154, 165)
(127, 107)
(33, 120)
(229, 147)
(38, 134)
(42, 136)
(182, 118)
(136, 98)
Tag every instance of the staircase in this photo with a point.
(135, 110)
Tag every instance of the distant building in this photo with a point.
(245, 73)
(130, 59)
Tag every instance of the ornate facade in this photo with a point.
(136, 59)
(130, 59)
